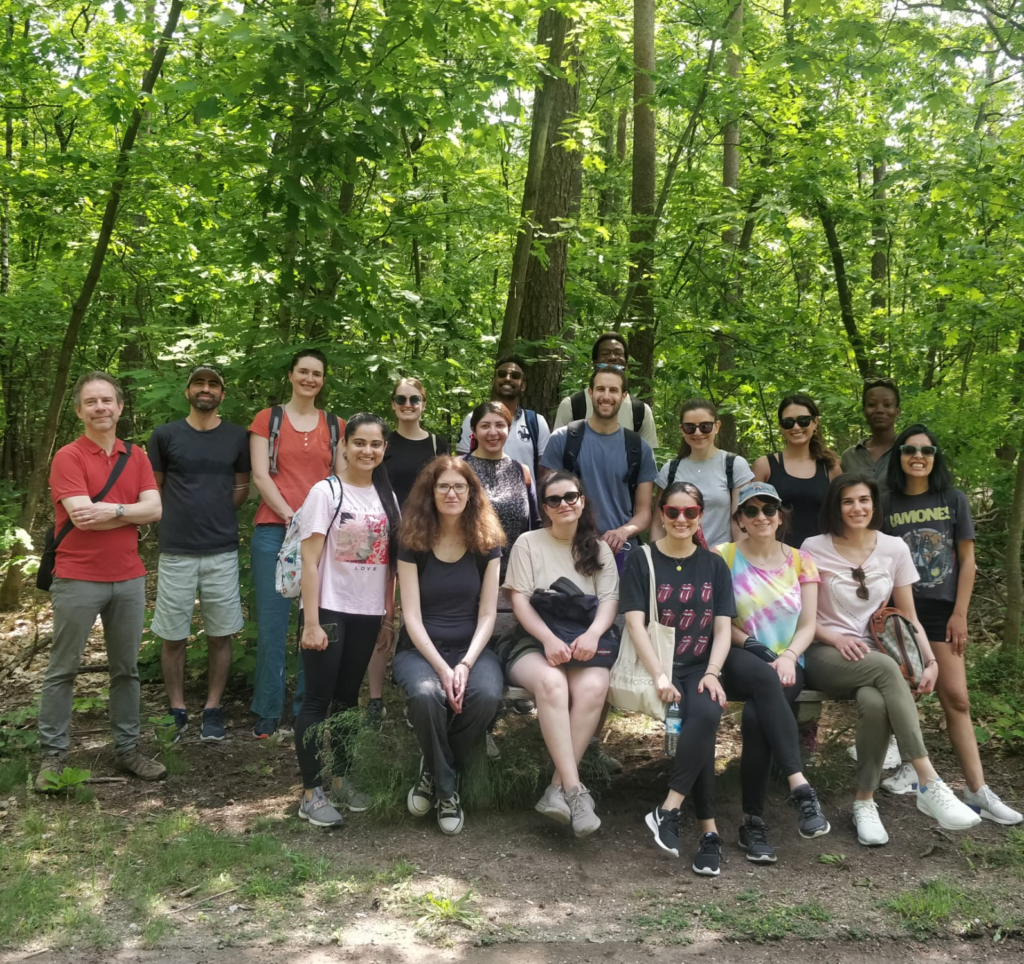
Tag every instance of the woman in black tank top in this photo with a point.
(802, 471)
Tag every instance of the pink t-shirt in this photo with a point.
(839, 607)
(354, 564)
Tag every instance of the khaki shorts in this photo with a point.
(213, 579)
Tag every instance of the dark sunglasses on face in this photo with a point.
(862, 587)
(914, 449)
(690, 428)
(802, 420)
(554, 501)
(689, 512)
(407, 399)
(509, 374)
(770, 509)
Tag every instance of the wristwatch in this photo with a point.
(120, 511)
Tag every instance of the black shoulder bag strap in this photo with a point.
(573, 444)
(115, 472)
(639, 412)
(274, 437)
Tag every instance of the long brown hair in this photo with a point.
(421, 524)
(818, 451)
(692, 405)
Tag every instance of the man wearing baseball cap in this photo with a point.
(201, 464)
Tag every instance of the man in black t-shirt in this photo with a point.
(201, 464)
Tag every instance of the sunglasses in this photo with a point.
(770, 510)
(407, 399)
(691, 428)
(609, 367)
(459, 488)
(802, 420)
(509, 374)
(689, 512)
(862, 587)
(914, 449)
(554, 501)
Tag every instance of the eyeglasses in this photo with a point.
(925, 450)
(691, 428)
(508, 373)
(689, 512)
(554, 501)
(770, 510)
(459, 488)
(609, 367)
(802, 420)
(862, 587)
(413, 400)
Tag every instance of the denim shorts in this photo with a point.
(213, 579)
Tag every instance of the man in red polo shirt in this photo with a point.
(98, 572)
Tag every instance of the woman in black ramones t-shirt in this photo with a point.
(693, 593)
(450, 544)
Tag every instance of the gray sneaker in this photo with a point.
(49, 773)
(581, 810)
(349, 796)
(318, 810)
(140, 766)
(553, 805)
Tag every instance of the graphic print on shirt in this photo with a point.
(843, 588)
(932, 552)
(362, 538)
(524, 432)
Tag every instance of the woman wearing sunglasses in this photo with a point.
(508, 483)
(776, 594)
(448, 572)
(410, 445)
(569, 679)
(861, 569)
(934, 520)
(801, 472)
(701, 462)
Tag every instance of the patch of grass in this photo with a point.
(13, 773)
(156, 930)
(667, 924)
(1006, 855)
(439, 911)
(832, 858)
(940, 907)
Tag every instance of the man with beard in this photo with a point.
(528, 434)
(201, 464)
(880, 399)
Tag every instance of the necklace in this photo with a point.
(678, 560)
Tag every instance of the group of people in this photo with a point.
(764, 576)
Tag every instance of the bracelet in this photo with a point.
(786, 652)
(929, 663)
(719, 668)
(462, 662)
(715, 675)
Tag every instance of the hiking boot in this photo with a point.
(450, 815)
(140, 766)
(581, 811)
(708, 860)
(904, 780)
(664, 824)
(810, 821)
(213, 726)
(553, 805)
(375, 712)
(939, 802)
(986, 804)
(349, 796)
(318, 810)
(49, 773)
(754, 840)
(597, 759)
(420, 798)
(265, 728)
(870, 831)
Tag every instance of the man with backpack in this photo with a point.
(102, 489)
(610, 352)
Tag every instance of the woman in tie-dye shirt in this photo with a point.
(776, 592)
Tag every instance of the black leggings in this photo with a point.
(332, 674)
(694, 769)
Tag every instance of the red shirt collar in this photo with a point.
(93, 449)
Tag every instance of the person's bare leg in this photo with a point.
(218, 669)
(550, 690)
(588, 686)
(172, 665)
(956, 704)
(376, 673)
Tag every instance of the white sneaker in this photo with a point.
(986, 804)
(420, 799)
(904, 780)
(493, 753)
(870, 831)
(938, 801)
(892, 755)
(450, 815)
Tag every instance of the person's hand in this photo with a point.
(584, 646)
(616, 538)
(714, 689)
(96, 513)
(667, 693)
(288, 517)
(852, 648)
(385, 636)
(460, 677)
(556, 651)
(447, 677)
(313, 637)
(928, 679)
(785, 667)
(956, 633)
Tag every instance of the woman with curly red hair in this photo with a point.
(448, 564)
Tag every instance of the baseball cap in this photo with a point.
(756, 490)
(200, 369)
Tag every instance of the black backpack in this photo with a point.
(579, 408)
(634, 451)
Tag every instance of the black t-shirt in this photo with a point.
(690, 593)
(449, 600)
(199, 476)
(404, 458)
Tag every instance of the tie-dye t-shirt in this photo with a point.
(768, 601)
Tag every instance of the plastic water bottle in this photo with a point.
(673, 724)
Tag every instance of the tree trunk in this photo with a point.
(1014, 547)
(552, 30)
(879, 237)
(41, 454)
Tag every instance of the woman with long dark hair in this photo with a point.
(288, 457)
(448, 571)
(801, 472)
(568, 677)
(934, 520)
(348, 528)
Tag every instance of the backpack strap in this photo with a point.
(578, 400)
(274, 438)
(115, 474)
(531, 497)
(334, 427)
(639, 412)
(730, 461)
(573, 444)
(634, 452)
(673, 467)
(433, 443)
(533, 427)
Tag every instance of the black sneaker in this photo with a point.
(754, 840)
(375, 712)
(708, 859)
(180, 722)
(810, 821)
(213, 726)
(265, 728)
(664, 824)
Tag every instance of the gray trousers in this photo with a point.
(76, 604)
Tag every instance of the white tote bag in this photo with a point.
(631, 687)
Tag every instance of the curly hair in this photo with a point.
(818, 451)
(586, 551)
(421, 524)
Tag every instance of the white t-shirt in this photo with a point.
(839, 607)
(354, 565)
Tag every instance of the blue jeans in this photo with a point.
(272, 614)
